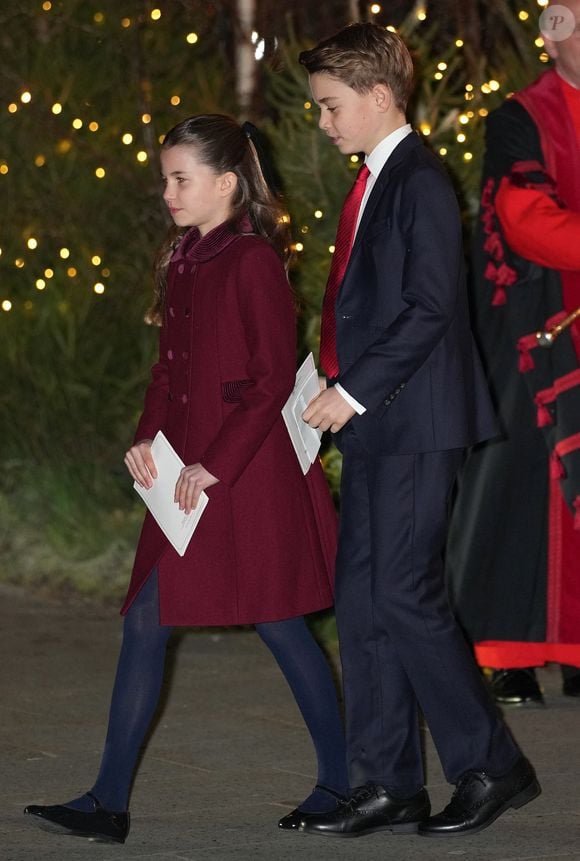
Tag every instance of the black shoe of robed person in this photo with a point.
(370, 808)
(516, 687)
(99, 825)
(571, 686)
(479, 799)
(295, 820)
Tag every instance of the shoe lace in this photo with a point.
(455, 804)
(360, 793)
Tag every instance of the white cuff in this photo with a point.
(358, 408)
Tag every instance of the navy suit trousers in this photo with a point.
(401, 649)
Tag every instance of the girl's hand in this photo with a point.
(139, 461)
(191, 482)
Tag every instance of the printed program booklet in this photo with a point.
(306, 440)
(177, 525)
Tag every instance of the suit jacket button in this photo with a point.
(184, 399)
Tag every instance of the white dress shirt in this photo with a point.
(375, 163)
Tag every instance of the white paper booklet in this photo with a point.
(177, 525)
(306, 440)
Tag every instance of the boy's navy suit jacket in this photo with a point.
(404, 343)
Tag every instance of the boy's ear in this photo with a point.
(228, 182)
(383, 97)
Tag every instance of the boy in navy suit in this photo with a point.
(406, 395)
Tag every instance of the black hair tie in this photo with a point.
(262, 148)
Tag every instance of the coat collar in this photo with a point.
(196, 248)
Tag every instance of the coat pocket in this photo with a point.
(232, 390)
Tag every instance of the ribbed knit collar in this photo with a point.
(196, 248)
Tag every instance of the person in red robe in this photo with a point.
(513, 559)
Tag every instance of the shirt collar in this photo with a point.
(377, 159)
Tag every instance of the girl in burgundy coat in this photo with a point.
(263, 552)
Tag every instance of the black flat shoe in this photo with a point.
(516, 687)
(100, 825)
(480, 798)
(295, 820)
(370, 808)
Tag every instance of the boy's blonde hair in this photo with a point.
(363, 55)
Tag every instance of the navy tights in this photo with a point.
(138, 685)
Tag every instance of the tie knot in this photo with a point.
(363, 173)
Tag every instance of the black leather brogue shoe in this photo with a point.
(100, 825)
(295, 820)
(480, 798)
(370, 808)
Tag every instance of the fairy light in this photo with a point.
(299, 246)
(461, 138)
(175, 100)
(544, 58)
(98, 17)
(161, 138)
(375, 9)
(64, 253)
(12, 108)
(99, 287)
(469, 88)
(307, 106)
(332, 249)
(443, 151)
(421, 14)
(425, 129)
(458, 44)
(155, 14)
(467, 156)
(96, 260)
(304, 229)
(127, 138)
(438, 76)
(441, 66)
(463, 119)
(125, 22)
(523, 15)
(32, 243)
(77, 123)
(19, 263)
(64, 146)
(4, 168)
(105, 272)
(40, 283)
(47, 5)
(543, 2)
(390, 28)
(6, 305)
(26, 97)
(145, 118)
(49, 273)
(318, 213)
(354, 159)
(141, 156)
(100, 172)
(93, 126)
(191, 38)
(494, 85)
(539, 43)
(57, 108)
(71, 272)
(483, 112)
(485, 88)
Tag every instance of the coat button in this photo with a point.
(181, 268)
(184, 399)
(185, 355)
(170, 354)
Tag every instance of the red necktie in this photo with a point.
(342, 249)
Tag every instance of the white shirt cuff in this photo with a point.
(358, 408)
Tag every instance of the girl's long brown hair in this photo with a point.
(222, 145)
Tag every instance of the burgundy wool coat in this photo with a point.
(265, 546)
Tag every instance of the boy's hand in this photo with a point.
(328, 410)
(139, 461)
(191, 482)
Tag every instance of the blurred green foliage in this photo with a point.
(73, 362)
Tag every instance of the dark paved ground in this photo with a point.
(229, 754)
